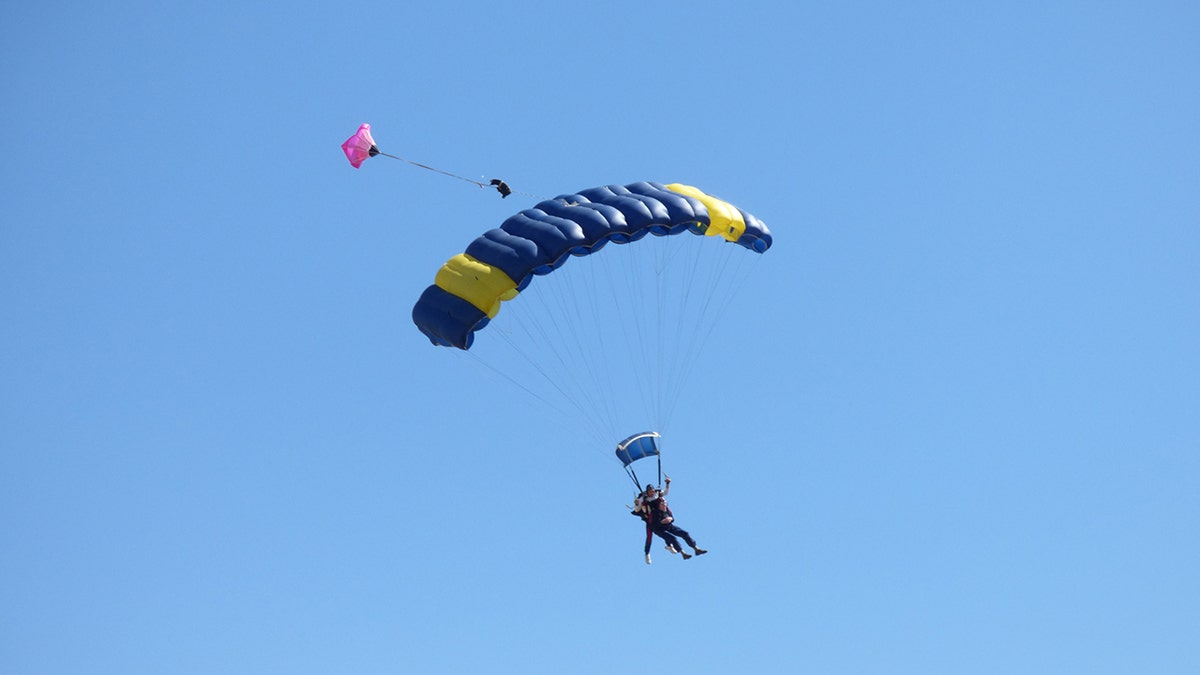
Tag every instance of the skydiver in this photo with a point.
(662, 521)
(642, 510)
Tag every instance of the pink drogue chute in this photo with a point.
(360, 146)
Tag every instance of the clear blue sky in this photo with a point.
(958, 431)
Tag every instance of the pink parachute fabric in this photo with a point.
(360, 146)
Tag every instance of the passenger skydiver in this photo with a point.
(642, 510)
(659, 520)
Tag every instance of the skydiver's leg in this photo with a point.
(649, 538)
(668, 538)
(676, 530)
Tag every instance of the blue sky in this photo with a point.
(953, 426)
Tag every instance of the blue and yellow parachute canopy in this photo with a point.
(498, 265)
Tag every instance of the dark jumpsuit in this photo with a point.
(659, 511)
(647, 515)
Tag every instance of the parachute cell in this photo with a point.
(496, 266)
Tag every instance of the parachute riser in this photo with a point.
(633, 477)
(637, 483)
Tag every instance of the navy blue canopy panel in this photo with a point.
(500, 263)
(638, 446)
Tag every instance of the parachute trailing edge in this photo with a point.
(498, 265)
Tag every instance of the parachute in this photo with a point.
(615, 335)
(639, 446)
(664, 312)
(360, 147)
(497, 266)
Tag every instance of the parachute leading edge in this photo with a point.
(469, 288)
